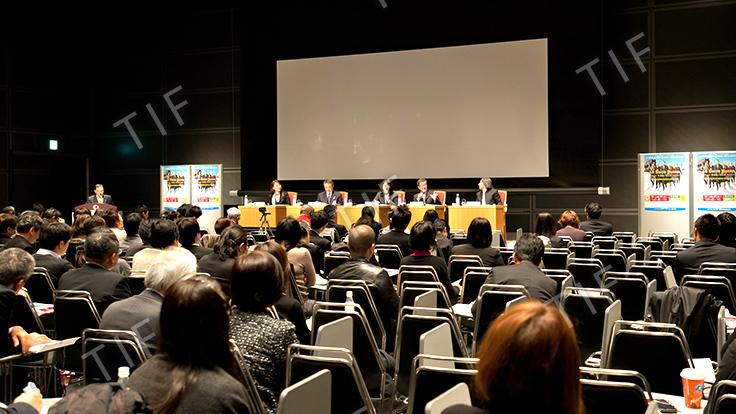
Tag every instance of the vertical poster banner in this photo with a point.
(714, 182)
(175, 186)
(664, 193)
(207, 193)
(665, 184)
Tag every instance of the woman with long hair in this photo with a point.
(277, 194)
(218, 264)
(195, 370)
(289, 235)
(545, 228)
(528, 364)
(256, 285)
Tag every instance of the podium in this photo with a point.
(97, 206)
(461, 216)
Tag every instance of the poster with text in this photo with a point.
(714, 186)
(175, 186)
(665, 181)
(207, 186)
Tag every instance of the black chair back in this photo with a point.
(25, 316)
(632, 292)
(582, 250)
(428, 382)
(337, 293)
(74, 312)
(389, 256)
(587, 313)
(472, 283)
(612, 262)
(589, 275)
(607, 397)
(104, 351)
(458, 266)
(490, 305)
(40, 287)
(333, 261)
(652, 273)
(555, 259)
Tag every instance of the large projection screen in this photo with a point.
(454, 112)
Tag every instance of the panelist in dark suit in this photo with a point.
(488, 196)
(425, 195)
(706, 232)
(329, 196)
(99, 196)
(278, 196)
(387, 195)
(594, 224)
(52, 245)
(104, 285)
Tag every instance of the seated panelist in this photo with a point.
(487, 196)
(386, 195)
(278, 195)
(329, 196)
(425, 195)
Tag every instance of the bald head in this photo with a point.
(361, 240)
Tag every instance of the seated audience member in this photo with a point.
(528, 252)
(7, 227)
(570, 226)
(368, 217)
(545, 229)
(361, 242)
(329, 196)
(113, 222)
(233, 213)
(706, 232)
(594, 224)
(169, 215)
(421, 241)
(79, 210)
(341, 230)
(278, 195)
(140, 313)
(91, 225)
(38, 208)
(144, 232)
(8, 210)
(52, 214)
(305, 214)
(318, 225)
(222, 223)
(487, 196)
(442, 239)
(196, 212)
(289, 235)
(183, 210)
(387, 195)
(195, 370)
(257, 284)
(26, 233)
(77, 240)
(480, 236)
(189, 237)
(164, 235)
(15, 267)
(53, 242)
(398, 219)
(218, 264)
(425, 195)
(430, 215)
(727, 237)
(96, 276)
(314, 251)
(287, 306)
(132, 240)
(142, 209)
(516, 376)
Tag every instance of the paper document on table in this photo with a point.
(49, 346)
(463, 309)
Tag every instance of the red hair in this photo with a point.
(569, 218)
(529, 363)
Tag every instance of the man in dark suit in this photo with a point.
(27, 232)
(425, 195)
(706, 232)
(487, 196)
(399, 219)
(132, 225)
(444, 244)
(15, 267)
(318, 224)
(189, 237)
(52, 245)
(594, 224)
(7, 227)
(104, 285)
(99, 196)
(329, 196)
(140, 313)
(528, 252)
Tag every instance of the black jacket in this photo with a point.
(335, 198)
(54, 265)
(492, 197)
(440, 267)
(21, 243)
(382, 290)
(324, 245)
(429, 199)
(597, 227)
(291, 310)
(198, 251)
(688, 261)
(106, 199)
(104, 286)
(397, 237)
(139, 313)
(7, 301)
(489, 256)
(393, 198)
(526, 273)
(283, 198)
(219, 269)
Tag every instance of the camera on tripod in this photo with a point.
(263, 211)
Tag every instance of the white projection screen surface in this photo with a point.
(454, 112)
